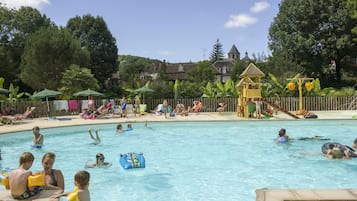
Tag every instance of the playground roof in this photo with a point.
(241, 82)
(252, 71)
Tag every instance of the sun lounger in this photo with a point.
(18, 117)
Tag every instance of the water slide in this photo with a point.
(281, 109)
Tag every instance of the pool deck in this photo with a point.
(5, 195)
(261, 194)
(28, 124)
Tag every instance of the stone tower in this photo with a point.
(234, 54)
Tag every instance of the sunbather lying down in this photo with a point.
(17, 117)
(310, 115)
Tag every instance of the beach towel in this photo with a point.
(72, 105)
(84, 104)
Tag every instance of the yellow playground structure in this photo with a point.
(249, 88)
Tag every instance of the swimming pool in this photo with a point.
(195, 161)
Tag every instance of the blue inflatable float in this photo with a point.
(132, 160)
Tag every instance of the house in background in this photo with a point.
(180, 71)
(224, 66)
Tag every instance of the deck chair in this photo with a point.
(117, 110)
(18, 117)
(129, 109)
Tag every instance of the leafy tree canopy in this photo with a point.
(237, 70)
(16, 25)
(48, 53)
(95, 36)
(203, 73)
(313, 33)
(131, 67)
(76, 79)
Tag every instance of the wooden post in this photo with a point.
(300, 82)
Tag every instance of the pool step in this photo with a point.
(306, 194)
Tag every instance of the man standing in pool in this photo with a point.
(96, 138)
(37, 137)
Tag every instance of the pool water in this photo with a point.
(195, 160)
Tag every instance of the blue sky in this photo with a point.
(174, 30)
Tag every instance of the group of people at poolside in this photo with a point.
(180, 109)
(52, 179)
(93, 113)
(334, 150)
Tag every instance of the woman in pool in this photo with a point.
(99, 162)
(334, 152)
(53, 178)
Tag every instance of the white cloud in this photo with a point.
(259, 6)
(18, 3)
(164, 53)
(241, 20)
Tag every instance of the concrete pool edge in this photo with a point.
(306, 194)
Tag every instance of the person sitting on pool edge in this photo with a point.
(220, 107)
(334, 152)
(96, 139)
(99, 162)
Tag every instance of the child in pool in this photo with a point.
(81, 182)
(119, 128)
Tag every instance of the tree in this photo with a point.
(75, 79)
(14, 94)
(352, 4)
(313, 34)
(237, 70)
(217, 52)
(226, 89)
(202, 73)
(16, 26)
(95, 36)
(131, 67)
(48, 53)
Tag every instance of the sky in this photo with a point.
(171, 30)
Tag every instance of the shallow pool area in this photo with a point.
(195, 160)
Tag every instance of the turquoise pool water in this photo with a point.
(195, 161)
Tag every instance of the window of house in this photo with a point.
(180, 68)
